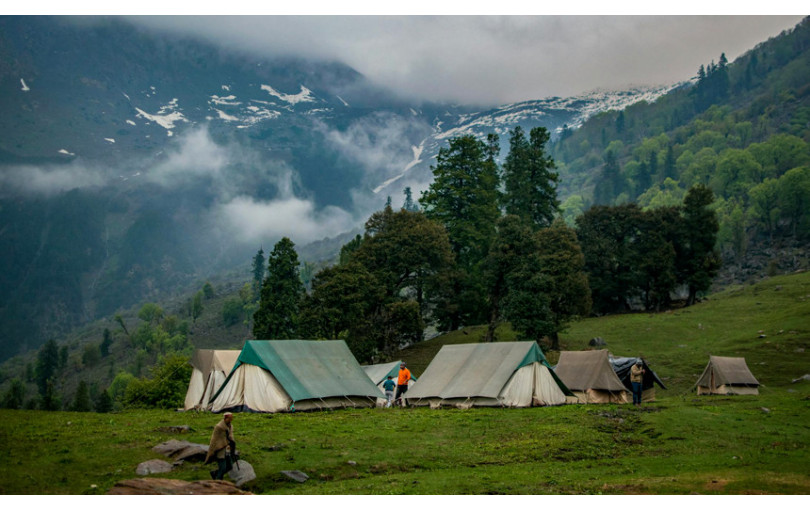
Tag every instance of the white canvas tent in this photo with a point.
(210, 367)
(295, 375)
(507, 374)
(590, 376)
(727, 376)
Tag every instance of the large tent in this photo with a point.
(295, 375)
(622, 368)
(209, 369)
(380, 372)
(727, 376)
(590, 376)
(508, 374)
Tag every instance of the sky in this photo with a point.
(493, 60)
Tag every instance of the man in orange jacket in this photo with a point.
(402, 383)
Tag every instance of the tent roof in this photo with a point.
(622, 368)
(727, 371)
(309, 369)
(585, 370)
(378, 373)
(475, 370)
(206, 360)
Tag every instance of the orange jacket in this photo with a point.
(404, 376)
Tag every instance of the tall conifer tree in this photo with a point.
(282, 291)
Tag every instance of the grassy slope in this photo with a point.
(680, 444)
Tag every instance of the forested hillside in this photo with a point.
(657, 200)
(741, 128)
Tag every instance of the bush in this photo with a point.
(166, 388)
(232, 311)
(15, 396)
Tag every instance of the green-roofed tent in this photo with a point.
(283, 375)
(506, 374)
(380, 372)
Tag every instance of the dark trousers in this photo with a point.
(223, 466)
(636, 393)
(401, 389)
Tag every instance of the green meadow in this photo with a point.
(680, 444)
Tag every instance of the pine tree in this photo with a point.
(566, 284)
(409, 204)
(81, 402)
(103, 403)
(464, 198)
(698, 259)
(47, 365)
(281, 294)
(530, 184)
(106, 343)
(258, 272)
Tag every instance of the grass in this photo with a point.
(680, 444)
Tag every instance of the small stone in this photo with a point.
(298, 476)
(153, 466)
(352, 463)
(765, 410)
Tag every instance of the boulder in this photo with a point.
(805, 377)
(241, 473)
(164, 486)
(153, 466)
(182, 450)
(597, 342)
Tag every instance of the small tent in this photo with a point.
(727, 376)
(508, 374)
(379, 373)
(209, 369)
(286, 375)
(590, 376)
(622, 368)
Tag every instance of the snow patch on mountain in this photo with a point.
(224, 101)
(342, 101)
(417, 158)
(66, 152)
(166, 117)
(24, 86)
(304, 96)
(111, 140)
(131, 123)
(224, 116)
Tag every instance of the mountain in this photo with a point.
(135, 165)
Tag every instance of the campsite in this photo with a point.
(681, 443)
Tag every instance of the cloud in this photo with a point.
(382, 144)
(194, 156)
(255, 221)
(490, 60)
(49, 180)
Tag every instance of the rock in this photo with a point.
(182, 450)
(153, 466)
(177, 429)
(164, 486)
(597, 342)
(805, 377)
(352, 463)
(765, 410)
(298, 476)
(241, 473)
